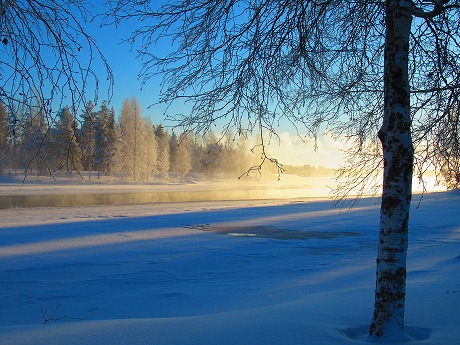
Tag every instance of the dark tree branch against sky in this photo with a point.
(384, 75)
(47, 57)
(357, 68)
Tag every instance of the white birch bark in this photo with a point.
(395, 136)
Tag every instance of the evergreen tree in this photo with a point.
(42, 56)
(104, 139)
(16, 138)
(198, 153)
(35, 143)
(231, 155)
(173, 148)
(4, 134)
(163, 151)
(67, 150)
(112, 137)
(88, 137)
(212, 160)
(447, 150)
(242, 156)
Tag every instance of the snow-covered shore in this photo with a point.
(279, 271)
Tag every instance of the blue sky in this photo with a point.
(126, 67)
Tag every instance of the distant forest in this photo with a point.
(129, 147)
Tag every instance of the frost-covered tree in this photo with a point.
(235, 151)
(447, 150)
(4, 136)
(242, 153)
(47, 56)
(133, 149)
(183, 158)
(67, 151)
(365, 69)
(88, 130)
(198, 152)
(35, 140)
(104, 139)
(151, 149)
(229, 158)
(112, 137)
(16, 140)
(213, 157)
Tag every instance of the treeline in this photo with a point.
(129, 146)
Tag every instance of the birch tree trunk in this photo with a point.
(259, 63)
(398, 152)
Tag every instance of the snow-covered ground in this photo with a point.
(262, 271)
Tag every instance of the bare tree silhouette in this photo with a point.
(357, 68)
(47, 57)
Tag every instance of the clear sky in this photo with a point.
(126, 67)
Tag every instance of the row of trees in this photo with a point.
(130, 146)
(360, 68)
(382, 73)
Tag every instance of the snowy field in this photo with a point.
(269, 270)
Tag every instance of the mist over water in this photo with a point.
(65, 200)
(65, 194)
(68, 194)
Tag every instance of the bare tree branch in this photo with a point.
(47, 56)
(52, 315)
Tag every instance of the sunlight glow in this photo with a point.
(50, 246)
(293, 150)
